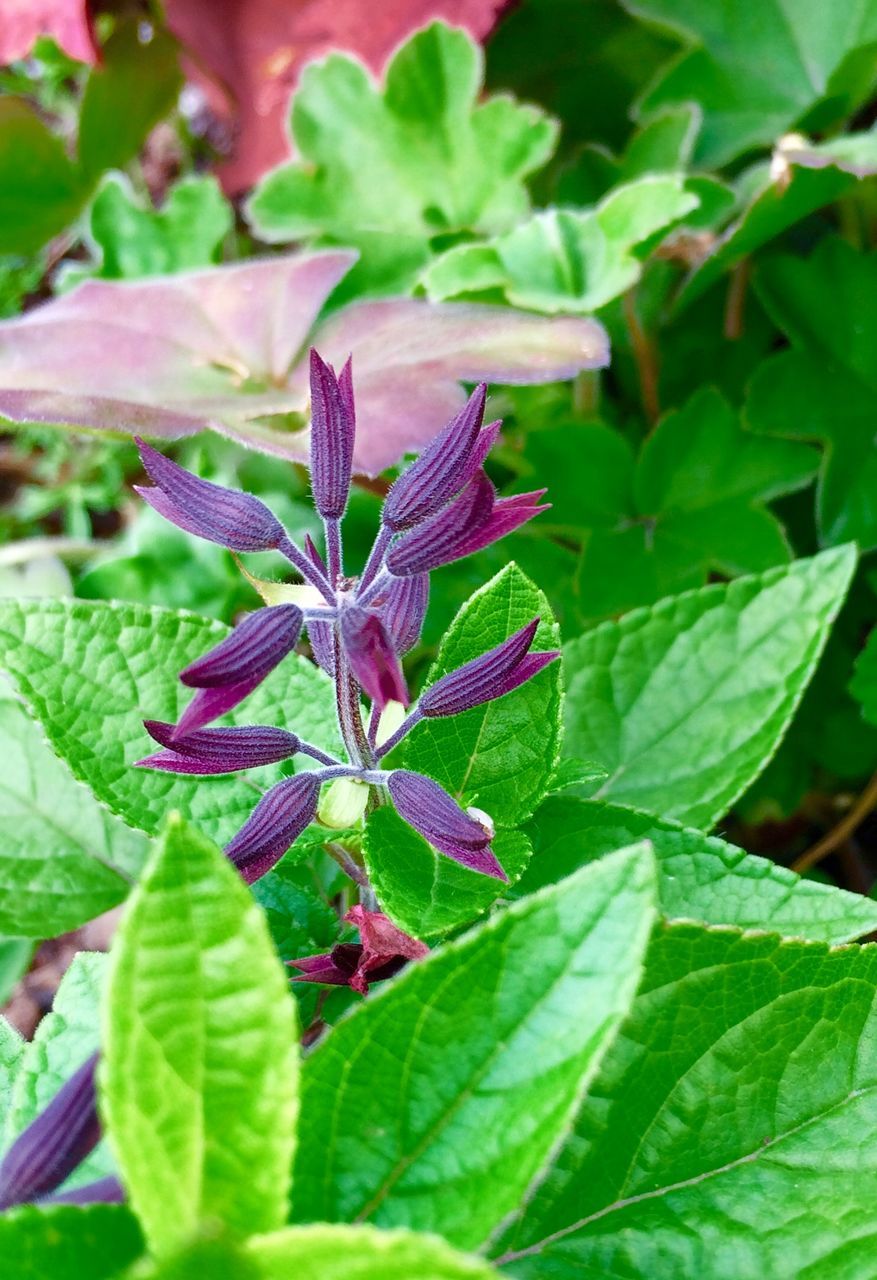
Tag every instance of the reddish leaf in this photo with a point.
(22, 21)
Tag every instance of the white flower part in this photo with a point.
(484, 819)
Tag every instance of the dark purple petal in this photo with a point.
(234, 520)
(103, 1191)
(442, 469)
(429, 809)
(383, 952)
(276, 822)
(372, 657)
(508, 514)
(50, 1148)
(335, 968)
(490, 676)
(254, 648)
(210, 704)
(333, 430)
(322, 641)
(210, 751)
(314, 556)
(402, 608)
(434, 542)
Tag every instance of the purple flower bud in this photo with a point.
(103, 1191)
(429, 809)
(372, 657)
(434, 542)
(508, 514)
(234, 520)
(253, 649)
(50, 1148)
(210, 751)
(210, 704)
(493, 674)
(384, 950)
(441, 470)
(402, 608)
(276, 822)
(333, 428)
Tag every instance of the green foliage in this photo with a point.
(360, 1253)
(68, 1242)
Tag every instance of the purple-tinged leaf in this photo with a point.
(440, 472)
(253, 649)
(214, 751)
(435, 541)
(490, 676)
(210, 704)
(104, 1191)
(372, 656)
(225, 516)
(429, 809)
(276, 822)
(333, 429)
(46, 1153)
(402, 608)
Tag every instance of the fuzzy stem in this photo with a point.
(348, 710)
(308, 571)
(307, 749)
(333, 550)
(376, 556)
(375, 587)
(395, 738)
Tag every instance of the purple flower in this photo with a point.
(46, 1153)
(384, 950)
(209, 751)
(490, 676)
(429, 809)
(276, 822)
(252, 650)
(372, 656)
(333, 427)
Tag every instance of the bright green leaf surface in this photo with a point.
(69, 1242)
(15, 956)
(482, 1051)
(92, 671)
(686, 702)
(360, 1253)
(11, 1053)
(699, 877)
(387, 170)
(731, 1129)
(199, 1073)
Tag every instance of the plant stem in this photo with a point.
(838, 834)
(645, 357)
(333, 550)
(376, 556)
(736, 299)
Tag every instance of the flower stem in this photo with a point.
(333, 550)
(376, 556)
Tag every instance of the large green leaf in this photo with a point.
(757, 69)
(825, 387)
(699, 877)
(390, 170)
(685, 703)
(15, 957)
(63, 858)
(92, 671)
(69, 1242)
(360, 1253)
(11, 1053)
(732, 1128)
(436, 1104)
(199, 1073)
(40, 190)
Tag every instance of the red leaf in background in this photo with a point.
(22, 21)
(247, 54)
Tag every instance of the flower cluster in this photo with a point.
(441, 508)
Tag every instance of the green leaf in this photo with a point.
(69, 1242)
(825, 387)
(91, 671)
(61, 1043)
(63, 858)
(757, 71)
(11, 1053)
(425, 892)
(562, 260)
(360, 1253)
(199, 1074)
(482, 1051)
(692, 504)
(699, 877)
(40, 190)
(864, 683)
(15, 956)
(731, 1129)
(685, 702)
(389, 170)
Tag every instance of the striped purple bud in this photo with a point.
(429, 809)
(507, 515)
(212, 751)
(441, 471)
(372, 657)
(402, 608)
(210, 704)
(234, 520)
(434, 542)
(103, 1191)
(253, 649)
(495, 673)
(49, 1149)
(333, 428)
(276, 822)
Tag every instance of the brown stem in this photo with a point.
(736, 301)
(646, 359)
(838, 834)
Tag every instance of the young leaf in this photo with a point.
(360, 1253)
(699, 877)
(825, 387)
(63, 859)
(731, 1129)
(92, 671)
(199, 1074)
(493, 1036)
(387, 171)
(69, 1242)
(686, 702)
